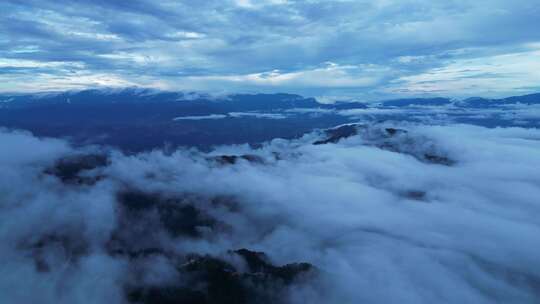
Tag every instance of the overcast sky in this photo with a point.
(333, 49)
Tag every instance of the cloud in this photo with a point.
(14, 63)
(268, 43)
(212, 116)
(380, 221)
(490, 75)
(330, 75)
(249, 4)
(65, 80)
(258, 115)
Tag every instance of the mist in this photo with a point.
(391, 212)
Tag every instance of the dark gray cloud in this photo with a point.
(376, 48)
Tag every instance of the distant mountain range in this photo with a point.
(197, 103)
(530, 99)
(473, 102)
(139, 119)
(145, 105)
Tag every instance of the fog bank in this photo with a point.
(385, 213)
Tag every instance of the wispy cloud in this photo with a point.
(489, 75)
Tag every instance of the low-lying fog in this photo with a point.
(385, 213)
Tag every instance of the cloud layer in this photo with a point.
(367, 49)
(397, 213)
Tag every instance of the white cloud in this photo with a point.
(92, 35)
(200, 117)
(258, 3)
(381, 226)
(258, 115)
(71, 80)
(330, 75)
(483, 75)
(186, 35)
(25, 63)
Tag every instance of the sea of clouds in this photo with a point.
(380, 222)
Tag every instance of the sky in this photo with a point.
(327, 49)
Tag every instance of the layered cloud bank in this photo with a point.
(386, 213)
(363, 49)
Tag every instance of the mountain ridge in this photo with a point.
(245, 101)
